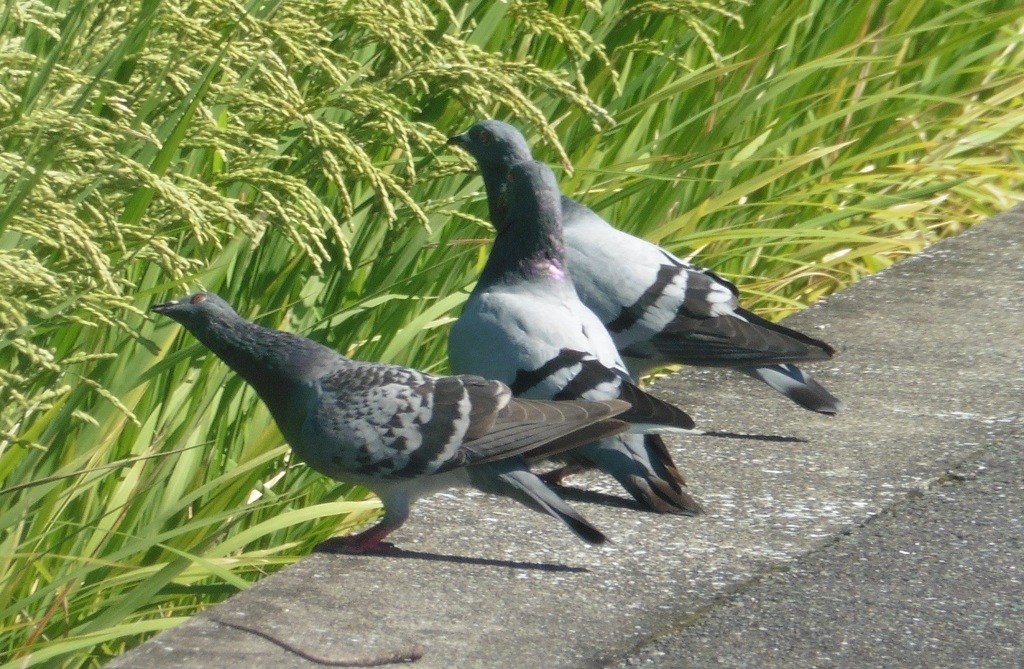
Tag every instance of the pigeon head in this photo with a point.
(198, 311)
(494, 144)
(271, 361)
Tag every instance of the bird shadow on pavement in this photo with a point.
(402, 553)
(753, 437)
(575, 494)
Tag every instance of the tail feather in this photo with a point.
(817, 349)
(644, 467)
(798, 386)
(512, 479)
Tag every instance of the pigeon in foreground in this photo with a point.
(397, 431)
(659, 309)
(524, 325)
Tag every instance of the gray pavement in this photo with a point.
(934, 581)
(888, 536)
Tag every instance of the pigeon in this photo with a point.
(659, 309)
(402, 433)
(524, 325)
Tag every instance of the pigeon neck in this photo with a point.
(271, 361)
(528, 248)
(494, 182)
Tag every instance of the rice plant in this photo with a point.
(290, 156)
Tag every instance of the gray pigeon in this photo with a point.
(658, 309)
(524, 325)
(397, 431)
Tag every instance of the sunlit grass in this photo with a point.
(291, 157)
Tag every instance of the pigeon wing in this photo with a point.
(386, 422)
(541, 428)
(376, 421)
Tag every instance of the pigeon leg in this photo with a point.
(396, 511)
(556, 477)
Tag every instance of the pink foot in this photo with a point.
(555, 477)
(366, 542)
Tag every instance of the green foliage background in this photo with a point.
(290, 156)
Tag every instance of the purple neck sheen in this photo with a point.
(549, 267)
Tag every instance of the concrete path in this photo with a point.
(888, 536)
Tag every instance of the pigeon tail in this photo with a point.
(644, 467)
(510, 478)
(818, 349)
(798, 386)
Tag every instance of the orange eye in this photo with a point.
(198, 297)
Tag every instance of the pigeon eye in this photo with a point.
(198, 297)
(484, 137)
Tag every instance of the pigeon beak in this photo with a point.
(458, 140)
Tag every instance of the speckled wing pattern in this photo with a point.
(387, 422)
(401, 433)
